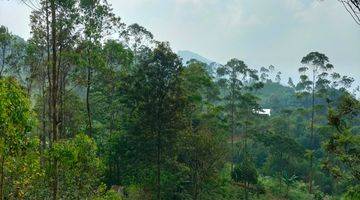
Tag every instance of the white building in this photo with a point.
(263, 112)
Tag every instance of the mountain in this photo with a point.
(188, 55)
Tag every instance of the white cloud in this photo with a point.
(294, 5)
(235, 16)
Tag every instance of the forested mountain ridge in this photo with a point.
(84, 117)
(189, 55)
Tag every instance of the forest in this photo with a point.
(93, 108)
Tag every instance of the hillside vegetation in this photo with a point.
(83, 116)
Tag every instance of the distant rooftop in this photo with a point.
(263, 112)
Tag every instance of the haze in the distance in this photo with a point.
(262, 33)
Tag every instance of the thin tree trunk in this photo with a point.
(312, 140)
(196, 185)
(49, 93)
(281, 171)
(2, 175)
(246, 191)
(3, 60)
(158, 166)
(112, 115)
(62, 97)
(196, 167)
(54, 73)
(233, 129)
(43, 121)
(88, 82)
(54, 95)
(29, 86)
(196, 176)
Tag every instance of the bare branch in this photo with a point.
(353, 8)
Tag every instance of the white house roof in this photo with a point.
(263, 112)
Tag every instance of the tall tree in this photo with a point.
(155, 110)
(315, 65)
(204, 150)
(98, 21)
(236, 78)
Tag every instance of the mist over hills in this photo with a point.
(186, 56)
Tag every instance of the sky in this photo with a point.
(260, 32)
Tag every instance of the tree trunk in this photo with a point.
(48, 73)
(2, 175)
(54, 95)
(196, 181)
(43, 122)
(246, 191)
(233, 128)
(54, 73)
(62, 97)
(88, 85)
(3, 61)
(158, 166)
(112, 115)
(312, 140)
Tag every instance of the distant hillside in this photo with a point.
(277, 97)
(188, 55)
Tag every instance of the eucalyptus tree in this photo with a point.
(154, 105)
(116, 59)
(291, 83)
(96, 21)
(53, 28)
(312, 81)
(38, 51)
(107, 95)
(204, 150)
(264, 76)
(137, 36)
(236, 78)
(278, 77)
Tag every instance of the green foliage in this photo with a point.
(78, 166)
(297, 191)
(15, 117)
(19, 164)
(245, 173)
(157, 129)
(154, 119)
(103, 194)
(343, 146)
(204, 147)
(352, 193)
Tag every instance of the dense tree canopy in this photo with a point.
(92, 108)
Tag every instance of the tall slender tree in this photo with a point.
(236, 77)
(155, 105)
(315, 65)
(98, 21)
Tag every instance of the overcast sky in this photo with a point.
(260, 32)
